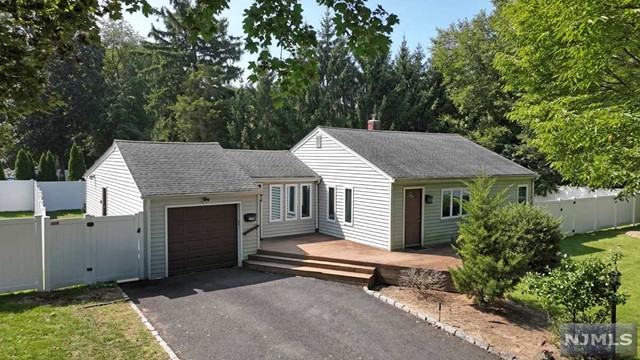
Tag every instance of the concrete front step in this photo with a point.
(314, 263)
(312, 271)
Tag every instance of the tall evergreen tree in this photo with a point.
(23, 167)
(2, 174)
(47, 168)
(191, 77)
(77, 165)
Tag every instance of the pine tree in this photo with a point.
(47, 168)
(77, 166)
(2, 175)
(24, 166)
(32, 164)
(489, 267)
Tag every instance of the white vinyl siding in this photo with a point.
(123, 196)
(341, 168)
(436, 229)
(289, 227)
(157, 250)
(275, 203)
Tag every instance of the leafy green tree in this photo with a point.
(489, 266)
(23, 167)
(124, 116)
(47, 168)
(80, 84)
(32, 31)
(578, 84)
(465, 54)
(77, 166)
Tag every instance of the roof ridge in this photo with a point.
(166, 142)
(388, 131)
(250, 150)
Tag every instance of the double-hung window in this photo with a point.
(305, 201)
(348, 206)
(523, 194)
(331, 203)
(453, 202)
(275, 203)
(292, 191)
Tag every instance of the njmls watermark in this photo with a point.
(600, 340)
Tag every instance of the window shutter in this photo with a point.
(275, 198)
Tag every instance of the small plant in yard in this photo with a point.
(423, 281)
(578, 291)
(490, 266)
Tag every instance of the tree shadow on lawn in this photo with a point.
(82, 295)
(577, 245)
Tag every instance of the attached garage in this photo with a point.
(202, 238)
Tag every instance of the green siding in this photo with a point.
(438, 230)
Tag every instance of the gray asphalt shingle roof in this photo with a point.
(417, 155)
(270, 163)
(164, 168)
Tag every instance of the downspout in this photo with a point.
(259, 216)
(318, 205)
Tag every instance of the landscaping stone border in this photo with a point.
(152, 329)
(442, 326)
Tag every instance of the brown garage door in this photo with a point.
(202, 238)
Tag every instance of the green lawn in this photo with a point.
(600, 244)
(15, 214)
(68, 325)
(60, 214)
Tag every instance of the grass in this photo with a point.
(600, 244)
(78, 323)
(15, 214)
(60, 214)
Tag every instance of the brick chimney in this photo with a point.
(373, 124)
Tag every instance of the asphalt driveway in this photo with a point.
(242, 314)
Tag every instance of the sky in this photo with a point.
(418, 18)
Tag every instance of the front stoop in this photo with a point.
(442, 326)
(319, 269)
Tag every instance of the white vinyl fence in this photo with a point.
(18, 195)
(44, 254)
(583, 210)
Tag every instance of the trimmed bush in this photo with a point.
(534, 232)
(24, 166)
(47, 168)
(77, 166)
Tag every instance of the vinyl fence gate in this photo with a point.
(47, 254)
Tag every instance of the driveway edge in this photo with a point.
(149, 326)
(442, 326)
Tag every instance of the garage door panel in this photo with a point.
(202, 238)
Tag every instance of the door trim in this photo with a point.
(404, 213)
(240, 239)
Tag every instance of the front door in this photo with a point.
(412, 217)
